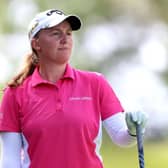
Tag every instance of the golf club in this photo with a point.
(140, 146)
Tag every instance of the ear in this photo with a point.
(35, 44)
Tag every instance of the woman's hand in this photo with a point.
(134, 118)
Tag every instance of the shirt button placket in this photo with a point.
(58, 101)
(58, 105)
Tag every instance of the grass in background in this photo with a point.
(155, 154)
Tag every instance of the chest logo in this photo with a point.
(80, 98)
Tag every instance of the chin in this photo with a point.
(62, 61)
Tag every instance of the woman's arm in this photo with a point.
(11, 144)
(116, 128)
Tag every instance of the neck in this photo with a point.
(52, 73)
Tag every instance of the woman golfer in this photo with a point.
(51, 114)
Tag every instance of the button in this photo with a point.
(58, 105)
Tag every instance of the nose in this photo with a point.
(64, 38)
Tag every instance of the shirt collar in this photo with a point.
(37, 79)
(69, 72)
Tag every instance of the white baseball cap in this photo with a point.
(50, 18)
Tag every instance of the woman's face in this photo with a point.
(54, 44)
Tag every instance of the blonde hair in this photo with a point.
(30, 64)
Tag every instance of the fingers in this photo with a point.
(129, 119)
(138, 117)
(134, 118)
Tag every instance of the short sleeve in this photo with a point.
(9, 116)
(109, 102)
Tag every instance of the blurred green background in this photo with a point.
(155, 154)
(127, 41)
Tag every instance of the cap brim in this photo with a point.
(74, 22)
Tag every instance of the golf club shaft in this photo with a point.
(140, 146)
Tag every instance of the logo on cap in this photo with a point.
(54, 11)
(35, 24)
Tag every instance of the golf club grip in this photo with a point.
(140, 146)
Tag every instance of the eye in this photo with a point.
(69, 33)
(56, 33)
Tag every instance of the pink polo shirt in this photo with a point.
(60, 123)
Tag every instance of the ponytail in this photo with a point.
(28, 69)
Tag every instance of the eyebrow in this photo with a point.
(58, 29)
(52, 29)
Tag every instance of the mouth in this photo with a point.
(63, 48)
